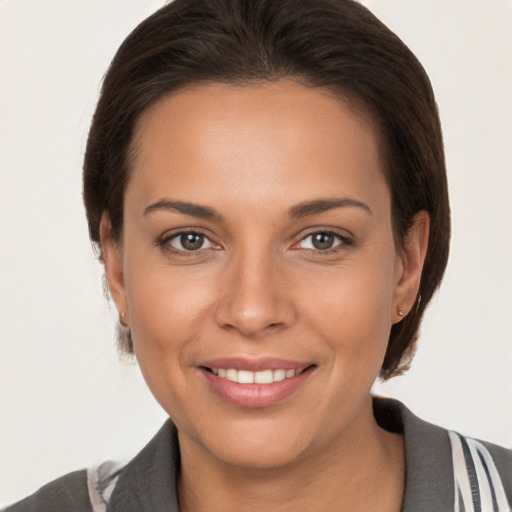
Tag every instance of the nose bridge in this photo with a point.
(253, 296)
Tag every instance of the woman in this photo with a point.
(265, 183)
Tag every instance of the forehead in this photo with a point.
(279, 136)
(220, 104)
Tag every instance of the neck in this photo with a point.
(363, 469)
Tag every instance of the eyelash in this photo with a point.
(165, 242)
(343, 241)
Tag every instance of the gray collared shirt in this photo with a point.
(445, 472)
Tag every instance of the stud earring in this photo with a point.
(399, 311)
(122, 316)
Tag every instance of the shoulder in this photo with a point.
(503, 459)
(464, 471)
(482, 473)
(69, 492)
(80, 491)
(147, 482)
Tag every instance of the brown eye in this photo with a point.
(322, 241)
(189, 241)
(192, 241)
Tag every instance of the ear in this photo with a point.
(113, 262)
(410, 266)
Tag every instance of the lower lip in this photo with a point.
(256, 395)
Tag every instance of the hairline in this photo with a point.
(349, 98)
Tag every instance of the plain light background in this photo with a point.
(66, 401)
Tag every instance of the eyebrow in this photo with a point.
(195, 210)
(298, 211)
(322, 205)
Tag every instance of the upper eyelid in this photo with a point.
(167, 235)
(343, 240)
(166, 243)
(170, 235)
(340, 233)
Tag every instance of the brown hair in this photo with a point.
(337, 44)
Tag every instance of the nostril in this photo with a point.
(253, 311)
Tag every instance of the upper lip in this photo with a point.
(255, 365)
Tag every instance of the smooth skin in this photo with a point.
(257, 223)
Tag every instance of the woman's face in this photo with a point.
(258, 246)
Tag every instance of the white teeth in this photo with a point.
(245, 377)
(232, 374)
(264, 377)
(279, 375)
(248, 377)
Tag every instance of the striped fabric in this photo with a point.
(101, 481)
(478, 486)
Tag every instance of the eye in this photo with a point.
(322, 241)
(189, 241)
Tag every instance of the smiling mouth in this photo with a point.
(256, 383)
(260, 377)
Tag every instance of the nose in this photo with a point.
(254, 297)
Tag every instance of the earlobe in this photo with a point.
(112, 260)
(412, 259)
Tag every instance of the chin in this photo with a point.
(254, 445)
(256, 456)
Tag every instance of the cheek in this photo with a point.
(166, 317)
(352, 312)
(164, 301)
(167, 310)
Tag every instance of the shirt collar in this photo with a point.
(149, 481)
